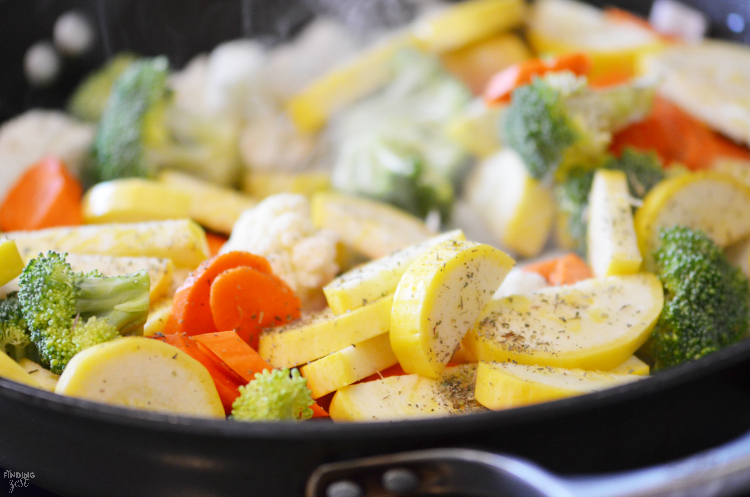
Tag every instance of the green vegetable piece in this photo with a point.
(642, 169)
(67, 311)
(14, 334)
(393, 145)
(276, 395)
(707, 299)
(557, 121)
(132, 121)
(90, 97)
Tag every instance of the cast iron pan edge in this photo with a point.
(76, 447)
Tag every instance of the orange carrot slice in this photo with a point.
(227, 381)
(676, 136)
(46, 195)
(543, 268)
(502, 84)
(215, 242)
(570, 269)
(246, 300)
(191, 308)
(564, 270)
(235, 353)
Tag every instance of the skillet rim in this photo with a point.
(328, 430)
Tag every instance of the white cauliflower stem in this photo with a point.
(281, 230)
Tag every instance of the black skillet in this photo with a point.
(74, 447)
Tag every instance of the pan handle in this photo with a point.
(722, 471)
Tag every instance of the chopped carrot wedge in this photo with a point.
(676, 136)
(227, 381)
(46, 195)
(246, 300)
(564, 270)
(543, 268)
(502, 84)
(215, 242)
(570, 269)
(191, 308)
(235, 353)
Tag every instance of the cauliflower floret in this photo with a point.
(35, 134)
(281, 230)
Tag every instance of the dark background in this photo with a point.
(184, 28)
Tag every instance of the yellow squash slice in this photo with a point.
(562, 26)
(134, 200)
(182, 241)
(349, 365)
(612, 243)
(439, 298)
(261, 183)
(467, 22)
(632, 365)
(215, 207)
(505, 385)
(11, 370)
(377, 278)
(11, 263)
(595, 324)
(717, 204)
(317, 335)
(158, 315)
(710, 80)
(47, 379)
(517, 208)
(142, 373)
(345, 84)
(408, 397)
(373, 228)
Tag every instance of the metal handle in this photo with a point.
(723, 471)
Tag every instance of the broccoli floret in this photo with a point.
(276, 395)
(14, 334)
(132, 121)
(642, 169)
(90, 97)
(67, 311)
(141, 131)
(706, 299)
(557, 121)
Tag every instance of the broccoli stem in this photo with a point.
(122, 300)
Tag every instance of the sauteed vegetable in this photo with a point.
(495, 206)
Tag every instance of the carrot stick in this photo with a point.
(676, 136)
(227, 381)
(46, 195)
(215, 242)
(502, 84)
(191, 308)
(247, 300)
(563, 270)
(235, 353)
(543, 268)
(319, 411)
(569, 269)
